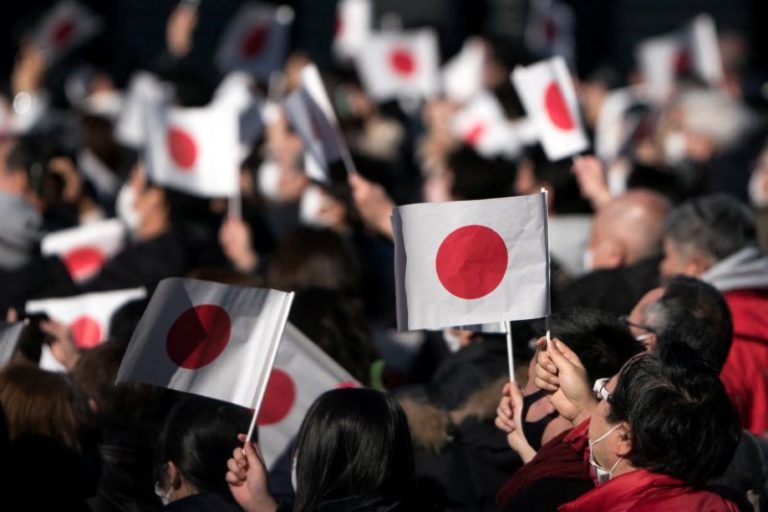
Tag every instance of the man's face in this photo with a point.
(604, 450)
(638, 319)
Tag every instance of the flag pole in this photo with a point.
(235, 206)
(547, 321)
(252, 427)
(510, 352)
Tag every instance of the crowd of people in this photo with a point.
(646, 388)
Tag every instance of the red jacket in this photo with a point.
(642, 491)
(745, 372)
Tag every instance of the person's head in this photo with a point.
(94, 375)
(22, 168)
(627, 229)
(194, 445)
(353, 442)
(38, 402)
(686, 310)
(603, 345)
(466, 175)
(703, 231)
(667, 413)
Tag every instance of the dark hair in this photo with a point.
(475, 177)
(715, 226)
(29, 155)
(198, 437)
(353, 442)
(695, 313)
(680, 419)
(602, 342)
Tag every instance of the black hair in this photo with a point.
(566, 194)
(602, 342)
(716, 226)
(475, 177)
(125, 319)
(198, 437)
(353, 442)
(681, 421)
(695, 313)
(30, 155)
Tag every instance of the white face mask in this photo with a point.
(165, 496)
(588, 260)
(757, 189)
(126, 209)
(602, 474)
(311, 206)
(269, 179)
(674, 147)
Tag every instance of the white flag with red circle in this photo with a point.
(693, 50)
(65, 27)
(550, 29)
(256, 40)
(195, 150)
(482, 125)
(86, 248)
(471, 262)
(400, 64)
(145, 90)
(549, 98)
(462, 76)
(9, 340)
(352, 28)
(302, 372)
(87, 316)
(209, 339)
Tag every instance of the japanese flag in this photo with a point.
(463, 75)
(693, 50)
(64, 28)
(482, 125)
(353, 26)
(236, 92)
(88, 315)
(195, 150)
(208, 339)
(302, 372)
(471, 262)
(400, 64)
(256, 40)
(550, 29)
(85, 249)
(309, 111)
(547, 93)
(9, 339)
(145, 90)
(617, 122)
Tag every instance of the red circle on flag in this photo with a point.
(198, 336)
(278, 398)
(62, 32)
(83, 262)
(338, 26)
(253, 42)
(86, 331)
(402, 62)
(474, 134)
(557, 108)
(682, 62)
(472, 261)
(182, 148)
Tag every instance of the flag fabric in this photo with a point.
(482, 125)
(548, 96)
(209, 339)
(9, 339)
(352, 27)
(256, 40)
(236, 92)
(400, 64)
(309, 111)
(617, 121)
(550, 30)
(195, 150)
(462, 76)
(88, 316)
(86, 248)
(471, 262)
(302, 372)
(145, 90)
(692, 50)
(65, 27)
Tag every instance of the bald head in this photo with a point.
(628, 229)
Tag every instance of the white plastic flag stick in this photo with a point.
(546, 241)
(235, 206)
(510, 352)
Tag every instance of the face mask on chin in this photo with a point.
(602, 475)
(164, 495)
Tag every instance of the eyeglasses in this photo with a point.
(600, 390)
(625, 320)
